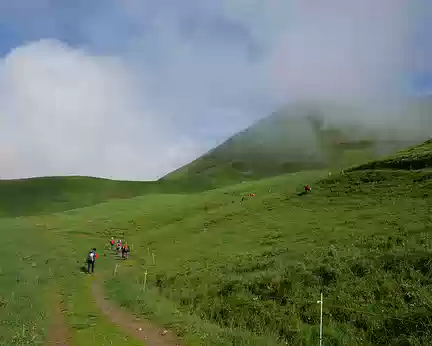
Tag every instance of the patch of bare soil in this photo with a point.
(59, 333)
(142, 329)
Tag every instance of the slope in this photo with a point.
(223, 271)
(309, 135)
(52, 194)
(417, 157)
(43, 293)
(49, 194)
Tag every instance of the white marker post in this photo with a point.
(153, 256)
(321, 319)
(145, 281)
(115, 269)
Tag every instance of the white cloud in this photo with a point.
(165, 86)
(341, 49)
(309, 49)
(64, 111)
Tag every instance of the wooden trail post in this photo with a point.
(115, 269)
(153, 256)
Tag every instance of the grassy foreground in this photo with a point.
(222, 271)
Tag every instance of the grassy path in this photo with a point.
(141, 329)
(92, 318)
(59, 333)
(75, 317)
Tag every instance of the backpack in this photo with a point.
(91, 256)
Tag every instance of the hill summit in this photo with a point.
(308, 135)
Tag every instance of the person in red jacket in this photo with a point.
(125, 251)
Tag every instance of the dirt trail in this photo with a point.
(140, 328)
(59, 333)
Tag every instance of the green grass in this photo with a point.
(38, 262)
(228, 271)
(416, 157)
(258, 267)
(36, 196)
(88, 325)
(23, 314)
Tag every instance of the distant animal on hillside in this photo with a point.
(307, 189)
(249, 195)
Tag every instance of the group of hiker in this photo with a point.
(121, 248)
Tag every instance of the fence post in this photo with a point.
(321, 319)
(145, 280)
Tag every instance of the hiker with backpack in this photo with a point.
(112, 242)
(91, 259)
(125, 251)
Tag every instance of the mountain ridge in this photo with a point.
(310, 136)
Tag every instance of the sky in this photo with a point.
(133, 89)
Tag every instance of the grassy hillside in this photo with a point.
(49, 194)
(417, 157)
(52, 194)
(305, 136)
(224, 271)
